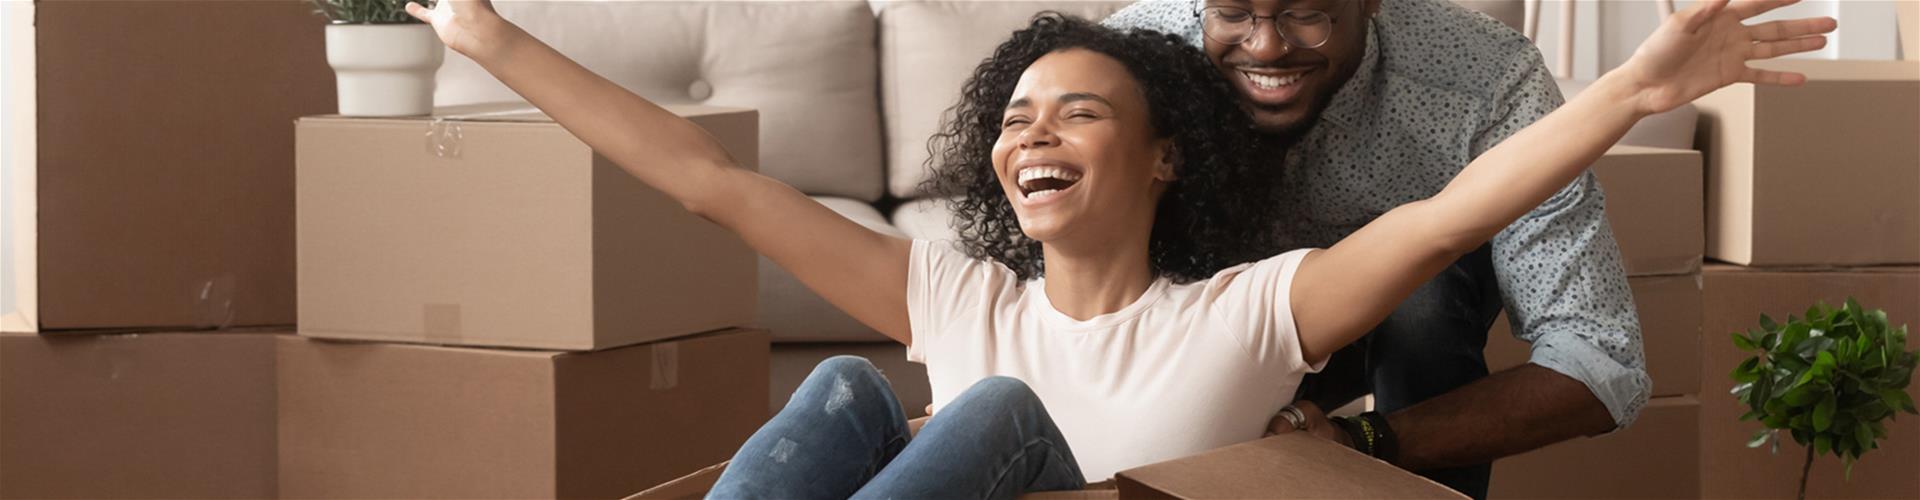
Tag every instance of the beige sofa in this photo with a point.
(848, 91)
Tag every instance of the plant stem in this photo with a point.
(1805, 469)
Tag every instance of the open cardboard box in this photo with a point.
(1293, 465)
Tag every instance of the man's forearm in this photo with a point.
(1506, 413)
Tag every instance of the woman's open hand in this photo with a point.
(466, 26)
(1706, 47)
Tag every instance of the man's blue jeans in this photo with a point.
(1430, 345)
(843, 435)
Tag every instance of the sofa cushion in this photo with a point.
(808, 67)
(926, 219)
(927, 50)
(794, 313)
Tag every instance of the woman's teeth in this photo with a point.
(1272, 82)
(1042, 195)
(1031, 174)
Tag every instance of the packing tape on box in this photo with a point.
(213, 301)
(666, 366)
(444, 134)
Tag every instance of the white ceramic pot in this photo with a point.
(384, 69)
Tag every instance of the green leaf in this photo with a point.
(1746, 371)
(1863, 436)
(1823, 414)
(1741, 341)
(1767, 323)
(1897, 399)
(1759, 438)
(1803, 395)
(1821, 444)
(1792, 336)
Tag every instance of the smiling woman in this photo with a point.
(1114, 271)
(1176, 114)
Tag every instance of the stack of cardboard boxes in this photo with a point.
(525, 319)
(544, 325)
(148, 220)
(1807, 195)
(1811, 196)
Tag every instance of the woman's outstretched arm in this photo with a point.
(861, 271)
(1342, 292)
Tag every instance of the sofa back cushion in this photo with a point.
(809, 67)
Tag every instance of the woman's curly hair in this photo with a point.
(1219, 211)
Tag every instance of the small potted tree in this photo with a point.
(1828, 379)
(383, 59)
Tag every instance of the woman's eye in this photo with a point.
(1013, 121)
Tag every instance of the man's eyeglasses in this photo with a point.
(1301, 28)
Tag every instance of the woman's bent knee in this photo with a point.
(1001, 391)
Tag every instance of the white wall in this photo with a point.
(17, 163)
(1606, 32)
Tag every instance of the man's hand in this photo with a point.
(1317, 424)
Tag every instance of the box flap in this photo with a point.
(1294, 465)
(1623, 149)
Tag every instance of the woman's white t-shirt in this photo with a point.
(1183, 369)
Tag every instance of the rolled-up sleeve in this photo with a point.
(1559, 269)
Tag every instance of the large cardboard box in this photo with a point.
(148, 170)
(168, 415)
(793, 362)
(1822, 174)
(1293, 465)
(366, 420)
(1657, 457)
(1669, 310)
(493, 226)
(1654, 205)
(1735, 298)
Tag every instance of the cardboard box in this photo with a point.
(1669, 309)
(1654, 205)
(502, 229)
(361, 420)
(1823, 174)
(150, 182)
(1293, 465)
(793, 362)
(1658, 457)
(169, 415)
(1735, 298)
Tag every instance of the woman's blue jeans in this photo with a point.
(843, 435)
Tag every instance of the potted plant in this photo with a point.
(383, 59)
(1828, 379)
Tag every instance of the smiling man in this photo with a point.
(1383, 102)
